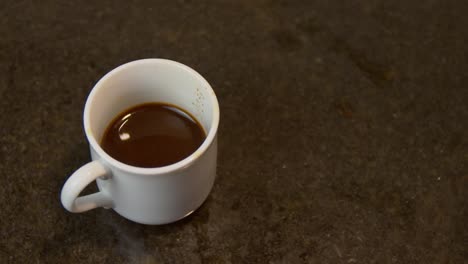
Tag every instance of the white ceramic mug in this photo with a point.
(146, 195)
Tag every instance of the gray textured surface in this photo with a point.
(343, 136)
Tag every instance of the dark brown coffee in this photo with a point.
(152, 135)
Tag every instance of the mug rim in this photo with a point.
(156, 170)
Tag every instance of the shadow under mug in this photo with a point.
(146, 195)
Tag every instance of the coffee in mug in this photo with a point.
(152, 135)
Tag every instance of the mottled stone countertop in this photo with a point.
(343, 135)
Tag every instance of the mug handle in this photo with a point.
(78, 181)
